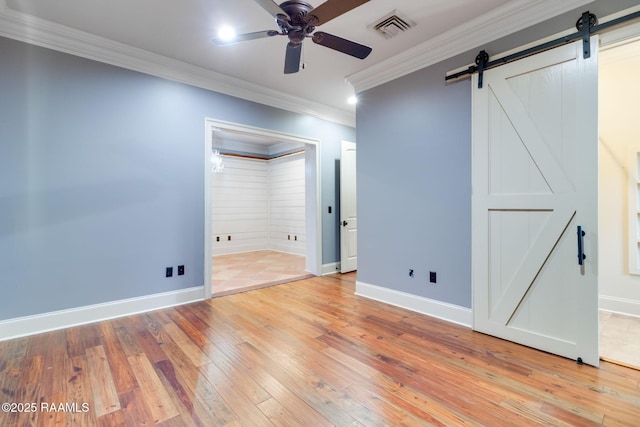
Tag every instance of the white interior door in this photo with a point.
(348, 209)
(535, 180)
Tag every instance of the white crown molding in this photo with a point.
(27, 28)
(508, 19)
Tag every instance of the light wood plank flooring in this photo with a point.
(306, 353)
(254, 270)
(620, 339)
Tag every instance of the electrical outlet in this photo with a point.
(411, 272)
(168, 272)
(181, 270)
(432, 277)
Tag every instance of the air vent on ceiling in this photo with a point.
(392, 24)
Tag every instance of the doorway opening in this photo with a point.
(261, 208)
(619, 203)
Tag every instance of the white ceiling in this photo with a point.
(183, 30)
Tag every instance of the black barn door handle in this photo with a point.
(581, 255)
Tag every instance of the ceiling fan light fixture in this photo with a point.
(226, 33)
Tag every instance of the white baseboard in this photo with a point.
(331, 268)
(620, 305)
(238, 249)
(30, 325)
(234, 250)
(288, 249)
(441, 310)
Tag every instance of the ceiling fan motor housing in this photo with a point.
(295, 26)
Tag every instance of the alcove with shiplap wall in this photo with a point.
(259, 204)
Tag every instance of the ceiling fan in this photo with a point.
(298, 20)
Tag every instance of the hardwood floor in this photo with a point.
(306, 353)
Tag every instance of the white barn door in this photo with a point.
(535, 166)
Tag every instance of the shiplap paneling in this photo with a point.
(240, 206)
(287, 204)
(260, 204)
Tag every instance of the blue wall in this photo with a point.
(414, 172)
(101, 178)
(414, 181)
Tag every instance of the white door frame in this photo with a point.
(313, 205)
(347, 225)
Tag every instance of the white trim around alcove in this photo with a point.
(313, 191)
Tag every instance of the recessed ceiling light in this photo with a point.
(352, 100)
(226, 33)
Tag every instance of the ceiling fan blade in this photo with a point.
(245, 37)
(272, 8)
(358, 50)
(292, 58)
(331, 9)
